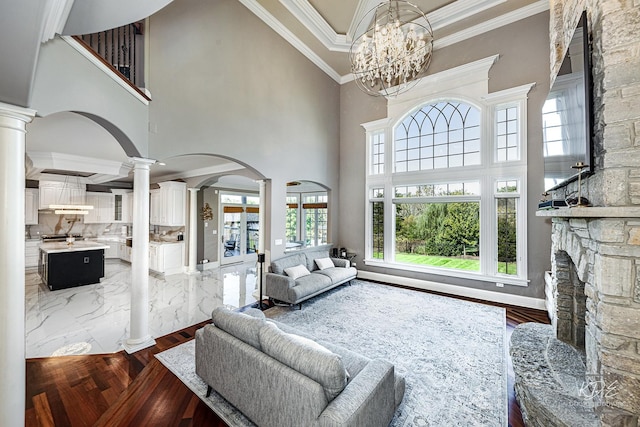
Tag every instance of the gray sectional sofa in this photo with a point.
(296, 278)
(279, 377)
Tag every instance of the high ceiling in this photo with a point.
(323, 30)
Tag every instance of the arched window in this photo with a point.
(446, 182)
(441, 135)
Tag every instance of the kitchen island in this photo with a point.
(62, 265)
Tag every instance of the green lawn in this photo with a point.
(451, 262)
(439, 261)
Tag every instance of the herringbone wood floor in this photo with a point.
(136, 390)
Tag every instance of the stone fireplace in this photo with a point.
(593, 302)
(584, 369)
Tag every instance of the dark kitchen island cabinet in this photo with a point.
(64, 266)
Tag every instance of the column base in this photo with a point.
(133, 345)
(193, 272)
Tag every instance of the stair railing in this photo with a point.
(122, 49)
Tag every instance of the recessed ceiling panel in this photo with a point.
(337, 13)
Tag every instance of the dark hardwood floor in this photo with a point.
(137, 390)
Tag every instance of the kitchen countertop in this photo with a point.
(78, 245)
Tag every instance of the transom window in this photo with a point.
(507, 138)
(441, 135)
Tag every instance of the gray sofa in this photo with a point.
(281, 283)
(279, 377)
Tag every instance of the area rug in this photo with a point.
(451, 352)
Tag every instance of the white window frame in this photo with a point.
(467, 83)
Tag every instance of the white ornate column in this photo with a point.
(13, 121)
(193, 230)
(139, 337)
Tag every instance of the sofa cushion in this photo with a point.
(323, 263)
(307, 357)
(338, 274)
(297, 271)
(309, 285)
(278, 266)
(312, 256)
(245, 327)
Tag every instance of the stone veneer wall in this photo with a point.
(614, 26)
(606, 252)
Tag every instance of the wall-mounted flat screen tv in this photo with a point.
(567, 115)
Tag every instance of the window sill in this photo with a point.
(504, 279)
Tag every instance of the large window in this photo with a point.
(438, 225)
(315, 219)
(377, 222)
(449, 199)
(292, 219)
(307, 219)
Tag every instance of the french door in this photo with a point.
(240, 227)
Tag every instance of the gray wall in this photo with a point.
(83, 90)
(208, 243)
(224, 83)
(524, 58)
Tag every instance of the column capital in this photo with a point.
(14, 117)
(15, 112)
(193, 189)
(141, 161)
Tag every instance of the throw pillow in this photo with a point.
(245, 327)
(323, 263)
(297, 271)
(307, 357)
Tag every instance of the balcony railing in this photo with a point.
(123, 49)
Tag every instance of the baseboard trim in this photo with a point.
(517, 300)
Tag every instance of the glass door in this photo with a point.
(240, 227)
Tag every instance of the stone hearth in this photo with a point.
(593, 301)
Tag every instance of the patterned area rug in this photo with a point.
(451, 352)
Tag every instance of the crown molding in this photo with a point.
(493, 24)
(284, 32)
(319, 27)
(56, 15)
(311, 19)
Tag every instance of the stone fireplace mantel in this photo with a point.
(592, 212)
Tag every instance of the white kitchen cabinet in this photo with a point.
(31, 252)
(168, 204)
(103, 208)
(112, 251)
(123, 206)
(155, 207)
(166, 258)
(153, 257)
(31, 206)
(127, 208)
(124, 252)
(60, 193)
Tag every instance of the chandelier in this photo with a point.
(393, 51)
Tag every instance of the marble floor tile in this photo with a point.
(94, 319)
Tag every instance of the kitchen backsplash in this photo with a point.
(49, 223)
